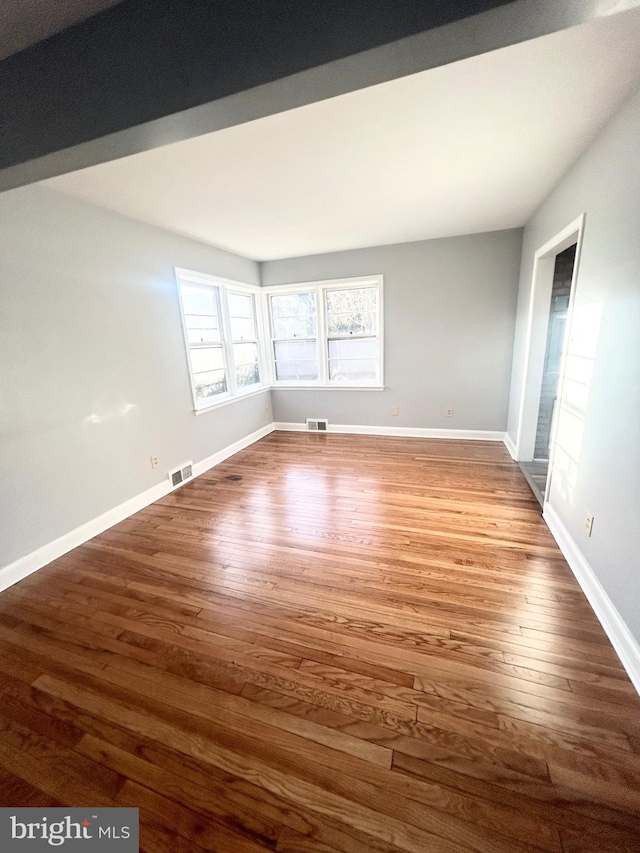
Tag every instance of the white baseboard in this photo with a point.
(231, 449)
(406, 432)
(508, 443)
(30, 563)
(622, 640)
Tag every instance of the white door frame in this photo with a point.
(537, 326)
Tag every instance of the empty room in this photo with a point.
(320, 426)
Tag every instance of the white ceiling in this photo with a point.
(468, 147)
(25, 22)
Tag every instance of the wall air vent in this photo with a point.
(317, 424)
(181, 475)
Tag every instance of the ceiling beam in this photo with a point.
(149, 72)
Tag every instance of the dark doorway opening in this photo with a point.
(537, 471)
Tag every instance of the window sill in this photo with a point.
(285, 387)
(228, 400)
(276, 387)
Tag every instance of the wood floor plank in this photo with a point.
(194, 828)
(362, 644)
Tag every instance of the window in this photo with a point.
(352, 334)
(295, 333)
(221, 334)
(327, 333)
(323, 334)
(244, 338)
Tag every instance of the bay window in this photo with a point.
(324, 334)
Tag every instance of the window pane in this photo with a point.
(242, 329)
(355, 359)
(209, 384)
(358, 369)
(355, 299)
(294, 315)
(354, 348)
(201, 321)
(209, 358)
(294, 327)
(248, 374)
(352, 323)
(240, 305)
(296, 350)
(203, 336)
(198, 300)
(352, 311)
(292, 304)
(245, 354)
(290, 370)
(245, 357)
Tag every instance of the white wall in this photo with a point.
(449, 312)
(604, 437)
(93, 372)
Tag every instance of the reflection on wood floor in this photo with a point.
(364, 644)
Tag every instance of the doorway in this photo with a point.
(537, 470)
(553, 286)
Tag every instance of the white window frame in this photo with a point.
(320, 289)
(225, 286)
(281, 291)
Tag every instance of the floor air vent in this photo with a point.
(181, 475)
(317, 424)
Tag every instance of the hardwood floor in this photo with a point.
(326, 643)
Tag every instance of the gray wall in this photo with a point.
(605, 183)
(449, 312)
(93, 372)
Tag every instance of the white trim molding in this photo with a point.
(406, 432)
(511, 447)
(622, 640)
(544, 261)
(231, 450)
(41, 557)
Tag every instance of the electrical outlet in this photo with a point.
(395, 410)
(450, 412)
(155, 462)
(588, 524)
